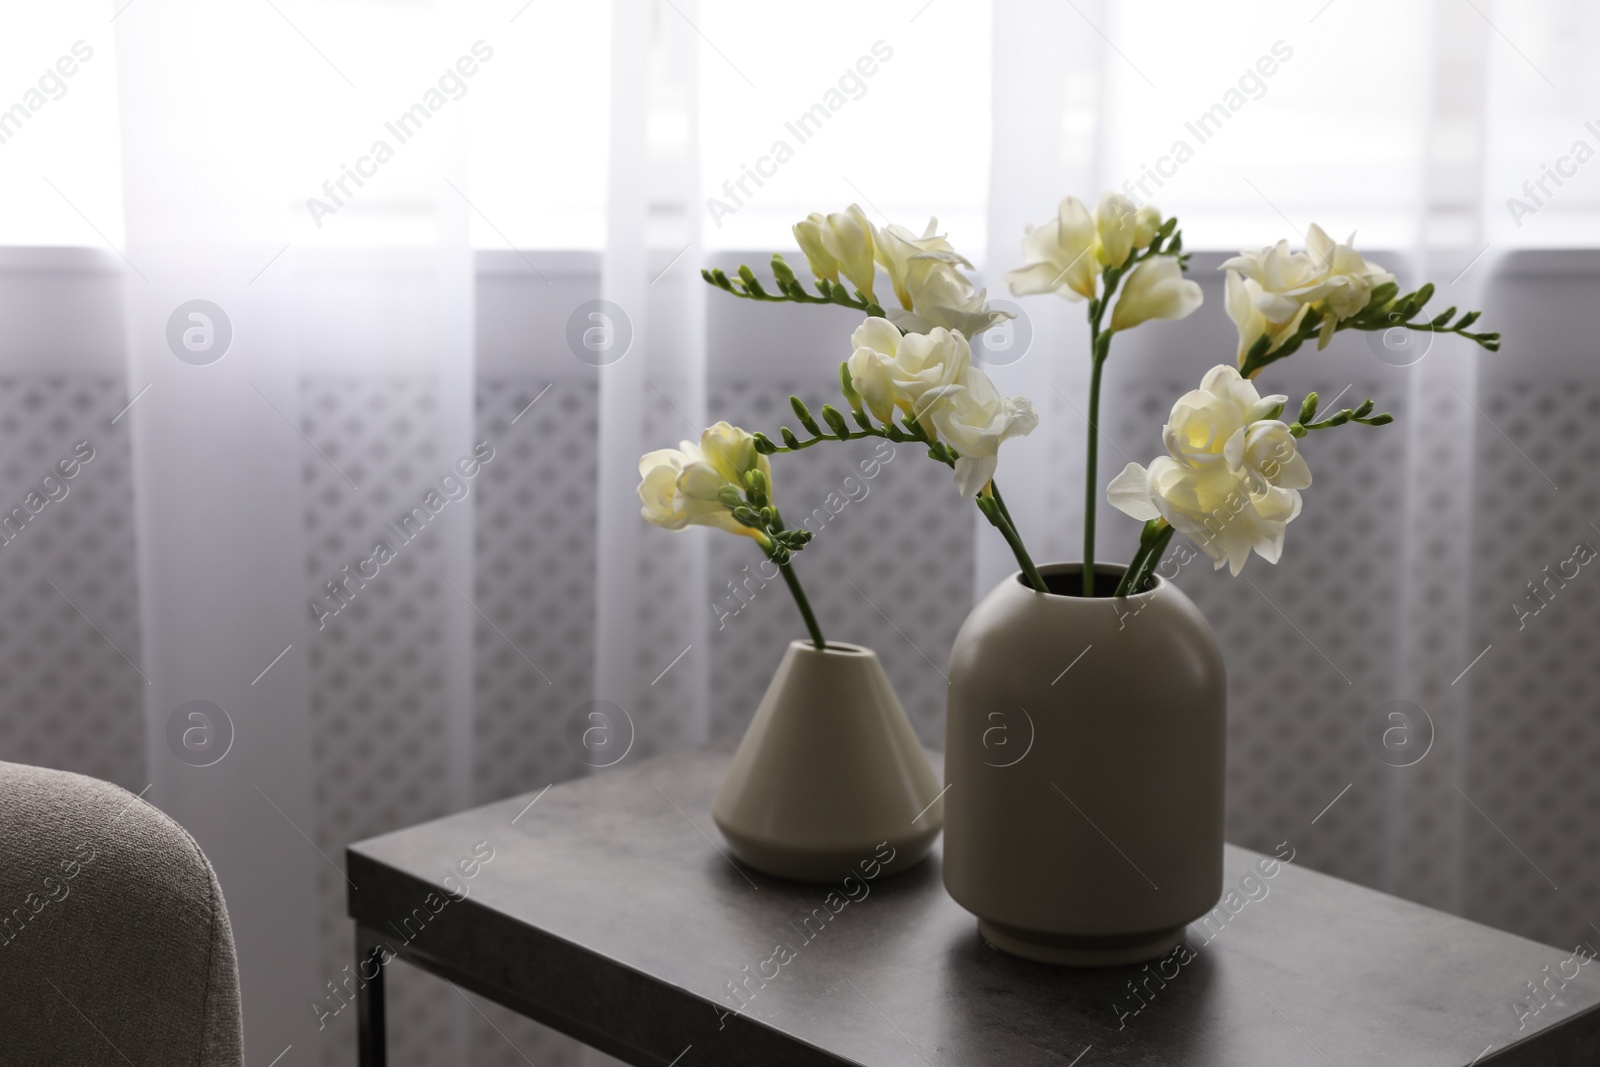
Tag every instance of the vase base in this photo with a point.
(825, 864)
(1068, 950)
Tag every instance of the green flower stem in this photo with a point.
(1091, 477)
(1099, 350)
(747, 287)
(1000, 517)
(913, 432)
(800, 600)
(1000, 501)
(1153, 542)
(1387, 311)
(1002, 522)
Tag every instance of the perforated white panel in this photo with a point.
(376, 670)
(73, 696)
(1535, 729)
(534, 544)
(663, 715)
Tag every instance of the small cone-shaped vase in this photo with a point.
(829, 771)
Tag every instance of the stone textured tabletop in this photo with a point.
(606, 908)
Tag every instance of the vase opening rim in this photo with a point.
(838, 648)
(1106, 576)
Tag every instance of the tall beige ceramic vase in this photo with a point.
(828, 771)
(1084, 751)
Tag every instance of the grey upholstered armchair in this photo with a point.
(114, 941)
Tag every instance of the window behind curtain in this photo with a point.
(58, 125)
(1318, 112)
(886, 106)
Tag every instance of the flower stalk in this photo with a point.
(790, 288)
(989, 501)
(1386, 311)
(782, 558)
(1114, 219)
(1091, 492)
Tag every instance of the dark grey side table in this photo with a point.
(604, 908)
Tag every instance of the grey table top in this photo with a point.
(607, 909)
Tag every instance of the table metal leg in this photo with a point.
(369, 998)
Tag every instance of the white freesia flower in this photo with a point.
(840, 243)
(848, 239)
(808, 235)
(1208, 424)
(911, 372)
(1156, 289)
(933, 292)
(732, 452)
(1115, 227)
(682, 486)
(1278, 287)
(942, 297)
(895, 246)
(975, 420)
(1059, 256)
(1287, 281)
(931, 377)
(1146, 221)
(1351, 277)
(1272, 457)
(1231, 478)
(874, 345)
(1066, 254)
(1242, 302)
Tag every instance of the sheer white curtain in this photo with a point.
(305, 556)
(440, 299)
